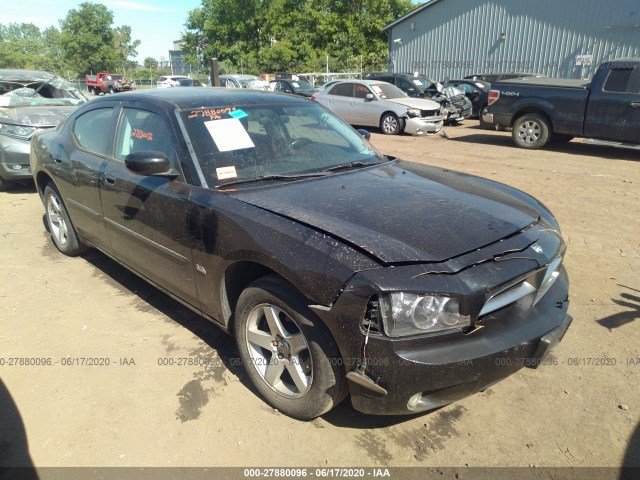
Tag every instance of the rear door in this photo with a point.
(613, 112)
(146, 216)
(91, 143)
(340, 98)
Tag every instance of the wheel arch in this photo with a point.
(42, 180)
(532, 109)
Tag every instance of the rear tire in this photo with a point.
(62, 232)
(531, 131)
(287, 352)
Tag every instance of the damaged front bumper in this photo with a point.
(418, 379)
(422, 126)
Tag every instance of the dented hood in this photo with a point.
(399, 212)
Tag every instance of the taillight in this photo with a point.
(494, 95)
(312, 98)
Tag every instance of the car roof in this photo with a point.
(198, 97)
(29, 75)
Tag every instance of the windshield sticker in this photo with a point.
(229, 134)
(295, 84)
(377, 90)
(141, 134)
(238, 114)
(224, 173)
(213, 114)
(4, 101)
(417, 82)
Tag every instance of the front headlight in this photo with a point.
(413, 112)
(22, 132)
(406, 314)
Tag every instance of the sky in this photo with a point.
(156, 23)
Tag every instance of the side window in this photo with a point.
(141, 131)
(634, 82)
(618, 79)
(404, 85)
(91, 130)
(361, 91)
(342, 90)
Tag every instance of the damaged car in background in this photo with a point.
(453, 100)
(372, 103)
(30, 101)
(338, 270)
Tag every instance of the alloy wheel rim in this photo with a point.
(529, 132)
(389, 124)
(279, 351)
(56, 221)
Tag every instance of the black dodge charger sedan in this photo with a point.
(338, 270)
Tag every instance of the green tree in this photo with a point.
(276, 35)
(90, 43)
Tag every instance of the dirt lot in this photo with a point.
(584, 411)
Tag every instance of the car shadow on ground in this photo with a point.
(575, 147)
(129, 283)
(629, 301)
(15, 460)
(17, 188)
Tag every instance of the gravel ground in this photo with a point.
(584, 411)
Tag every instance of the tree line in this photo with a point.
(292, 35)
(252, 36)
(87, 41)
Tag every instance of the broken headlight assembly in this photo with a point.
(413, 112)
(405, 314)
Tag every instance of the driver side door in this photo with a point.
(146, 215)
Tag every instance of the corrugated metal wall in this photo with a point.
(455, 38)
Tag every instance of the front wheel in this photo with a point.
(62, 233)
(531, 131)
(390, 124)
(288, 354)
(111, 90)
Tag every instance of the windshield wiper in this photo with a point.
(289, 176)
(350, 165)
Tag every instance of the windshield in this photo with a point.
(25, 92)
(251, 141)
(387, 91)
(302, 86)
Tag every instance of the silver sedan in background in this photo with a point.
(379, 104)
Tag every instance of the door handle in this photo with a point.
(109, 179)
(635, 104)
(332, 100)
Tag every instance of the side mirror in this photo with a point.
(365, 133)
(149, 163)
(369, 97)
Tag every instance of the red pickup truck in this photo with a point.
(108, 83)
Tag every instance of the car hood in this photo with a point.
(399, 212)
(42, 116)
(421, 103)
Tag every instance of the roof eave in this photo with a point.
(416, 10)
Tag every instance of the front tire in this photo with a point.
(390, 124)
(531, 131)
(288, 354)
(111, 90)
(62, 233)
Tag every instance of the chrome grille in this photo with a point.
(526, 292)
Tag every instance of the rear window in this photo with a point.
(618, 80)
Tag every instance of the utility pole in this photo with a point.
(215, 73)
